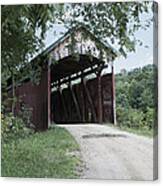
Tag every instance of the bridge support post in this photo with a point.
(100, 109)
(99, 90)
(74, 100)
(113, 95)
(65, 111)
(93, 110)
(49, 93)
(83, 98)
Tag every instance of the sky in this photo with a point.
(141, 57)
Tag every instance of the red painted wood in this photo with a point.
(100, 109)
(92, 108)
(49, 94)
(106, 82)
(75, 101)
(83, 103)
(113, 95)
(35, 97)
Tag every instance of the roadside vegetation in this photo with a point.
(26, 153)
(136, 100)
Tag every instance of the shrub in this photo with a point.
(13, 128)
(121, 113)
(135, 119)
(128, 117)
(26, 114)
(150, 118)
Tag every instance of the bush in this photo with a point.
(150, 118)
(134, 118)
(122, 115)
(13, 128)
(26, 114)
(136, 99)
(131, 118)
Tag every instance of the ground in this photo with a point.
(109, 153)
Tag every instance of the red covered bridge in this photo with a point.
(73, 86)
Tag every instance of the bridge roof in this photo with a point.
(70, 32)
(63, 61)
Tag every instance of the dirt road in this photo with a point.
(109, 153)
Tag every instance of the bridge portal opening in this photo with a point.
(80, 92)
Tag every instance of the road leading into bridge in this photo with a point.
(109, 153)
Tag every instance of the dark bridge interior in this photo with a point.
(77, 98)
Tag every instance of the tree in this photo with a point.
(136, 98)
(23, 29)
(113, 21)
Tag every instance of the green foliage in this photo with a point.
(13, 128)
(136, 98)
(48, 154)
(150, 118)
(117, 21)
(23, 29)
(26, 114)
(131, 118)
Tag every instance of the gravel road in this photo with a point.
(109, 153)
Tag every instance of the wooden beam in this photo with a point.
(100, 68)
(113, 95)
(65, 115)
(90, 100)
(83, 98)
(95, 70)
(75, 101)
(49, 93)
(100, 109)
(99, 91)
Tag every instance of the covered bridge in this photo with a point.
(73, 87)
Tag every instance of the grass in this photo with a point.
(141, 132)
(44, 154)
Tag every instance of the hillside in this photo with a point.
(136, 98)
